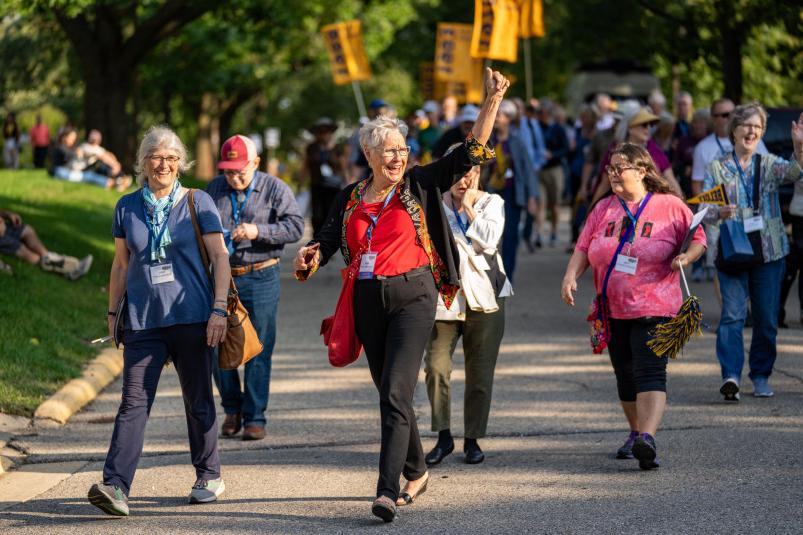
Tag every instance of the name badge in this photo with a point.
(509, 173)
(326, 170)
(626, 264)
(367, 264)
(752, 224)
(162, 273)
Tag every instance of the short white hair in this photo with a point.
(656, 97)
(508, 108)
(373, 133)
(160, 137)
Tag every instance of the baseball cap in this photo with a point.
(431, 106)
(468, 114)
(237, 152)
(377, 103)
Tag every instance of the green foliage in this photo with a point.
(47, 320)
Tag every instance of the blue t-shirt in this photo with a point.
(188, 298)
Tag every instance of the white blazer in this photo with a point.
(485, 232)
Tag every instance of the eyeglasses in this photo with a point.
(231, 173)
(748, 126)
(723, 115)
(158, 160)
(616, 170)
(389, 154)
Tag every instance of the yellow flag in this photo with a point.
(531, 18)
(715, 195)
(346, 52)
(496, 30)
(456, 72)
(426, 81)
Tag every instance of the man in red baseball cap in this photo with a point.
(259, 215)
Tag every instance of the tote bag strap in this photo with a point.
(199, 238)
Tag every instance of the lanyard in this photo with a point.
(722, 150)
(743, 177)
(237, 209)
(157, 238)
(375, 218)
(634, 218)
(463, 226)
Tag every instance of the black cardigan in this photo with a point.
(426, 184)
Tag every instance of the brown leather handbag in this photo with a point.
(241, 343)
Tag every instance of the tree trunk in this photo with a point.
(732, 37)
(208, 142)
(106, 95)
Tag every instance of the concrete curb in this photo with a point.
(74, 395)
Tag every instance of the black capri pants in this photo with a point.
(637, 368)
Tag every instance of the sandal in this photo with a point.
(405, 498)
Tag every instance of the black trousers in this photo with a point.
(144, 357)
(637, 368)
(39, 157)
(394, 318)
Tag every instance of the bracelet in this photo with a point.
(112, 313)
(220, 312)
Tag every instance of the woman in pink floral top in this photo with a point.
(633, 239)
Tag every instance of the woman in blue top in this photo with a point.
(173, 313)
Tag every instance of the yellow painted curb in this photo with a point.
(74, 395)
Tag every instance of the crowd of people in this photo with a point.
(429, 214)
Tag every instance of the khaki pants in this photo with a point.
(482, 335)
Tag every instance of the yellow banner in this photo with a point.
(346, 52)
(716, 195)
(496, 30)
(426, 81)
(453, 61)
(531, 18)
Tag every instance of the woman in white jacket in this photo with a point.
(477, 220)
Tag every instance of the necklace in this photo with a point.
(381, 192)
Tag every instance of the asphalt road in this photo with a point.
(555, 424)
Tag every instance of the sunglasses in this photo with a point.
(723, 115)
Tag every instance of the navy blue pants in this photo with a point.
(259, 293)
(144, 357)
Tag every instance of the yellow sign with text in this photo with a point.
(346, 52)
(496, 30)
(531, 18)
(715, 195)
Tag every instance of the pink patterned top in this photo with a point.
(654, 290)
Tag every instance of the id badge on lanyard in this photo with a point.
(368, 258)
(162, 273)
(625, 263)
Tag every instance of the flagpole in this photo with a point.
(355, 85)
(528, 69)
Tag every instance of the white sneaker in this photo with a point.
(206, 491)
(730, 389)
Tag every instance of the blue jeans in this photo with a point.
(762, 285)
(259, 293)
(510, 234)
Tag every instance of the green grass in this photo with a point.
(46, 321)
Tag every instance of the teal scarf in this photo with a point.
(156, 213)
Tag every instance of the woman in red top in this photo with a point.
(393, 226)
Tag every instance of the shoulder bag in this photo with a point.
(738, 250)
(241, 343)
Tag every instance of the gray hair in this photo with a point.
(656, 97)
(742, 113)
(373, 133)
(160, 137)
(508, 108)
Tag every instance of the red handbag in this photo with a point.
(338, 330)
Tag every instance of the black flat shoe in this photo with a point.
(474, 456)
(437, 455)
(384, 508)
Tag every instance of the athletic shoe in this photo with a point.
(626, 451)
(83, 268)
(206, 491)
(109, 499)
(730, 389)
(644, 450)
(761, 387)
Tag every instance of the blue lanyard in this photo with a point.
(149, 221)
(237, 209)
(375, 218)
(463, 226)
(634, 218)
(743, 177)
(722, 150)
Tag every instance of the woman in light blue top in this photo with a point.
(751, 183)
(173, 313)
